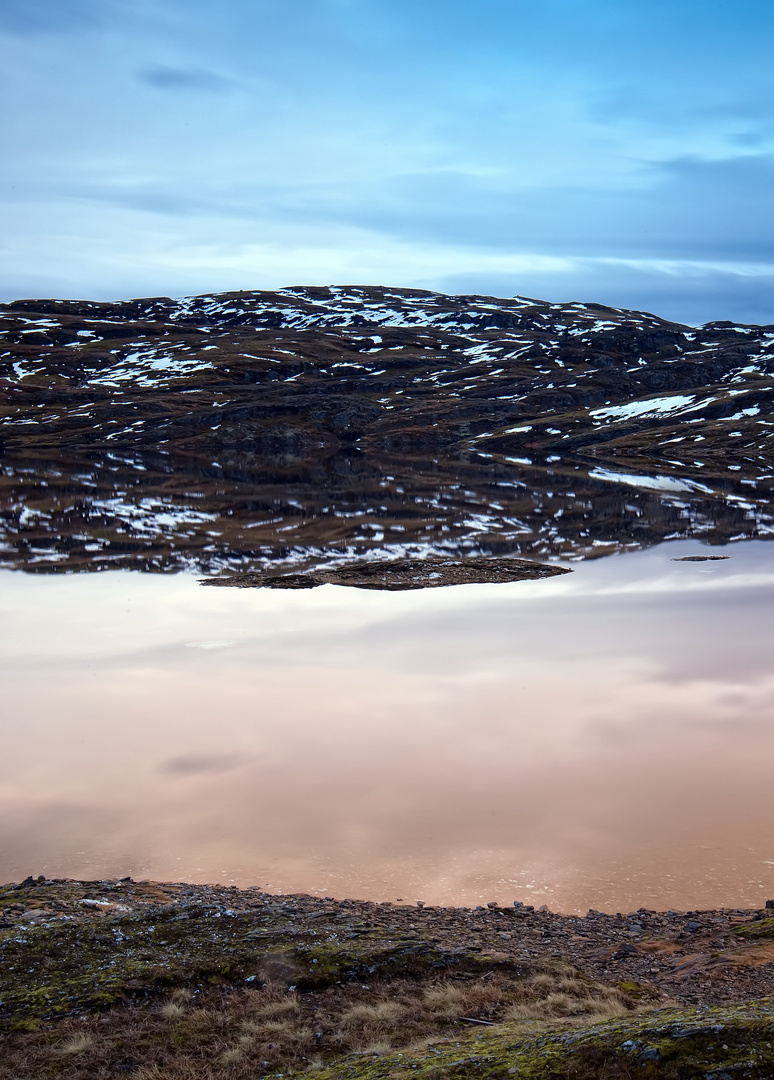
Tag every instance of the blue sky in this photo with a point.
(612, 150)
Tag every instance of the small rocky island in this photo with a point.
(398, 575)
(190, 982)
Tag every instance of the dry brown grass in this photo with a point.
(559, 994)
(242, 1034)
(380, 1014)
(273, 1004)
(77, 1044)
(444, 1001)
(172, 1010)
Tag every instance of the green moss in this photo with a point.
(671, 1044)
(25, 1025)
(763, 928)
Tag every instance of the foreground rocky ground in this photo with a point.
(99, 979)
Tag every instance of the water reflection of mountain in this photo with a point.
(227, 431)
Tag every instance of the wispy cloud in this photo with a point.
(202, 764)
(182, 80)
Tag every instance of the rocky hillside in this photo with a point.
(289, 428)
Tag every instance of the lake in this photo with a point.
(601, 739)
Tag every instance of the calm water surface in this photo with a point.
(600, 739)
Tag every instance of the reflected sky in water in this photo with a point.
(602, 739)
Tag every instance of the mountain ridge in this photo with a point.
(228, 430)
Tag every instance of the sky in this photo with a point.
(617, 151)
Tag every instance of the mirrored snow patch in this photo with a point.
(655, 483)
(649, 407)
(151, 517)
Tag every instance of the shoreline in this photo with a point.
(694, 956)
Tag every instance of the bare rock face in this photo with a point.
(250, 431)
(401, 574)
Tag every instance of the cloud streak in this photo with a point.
(184, 80)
